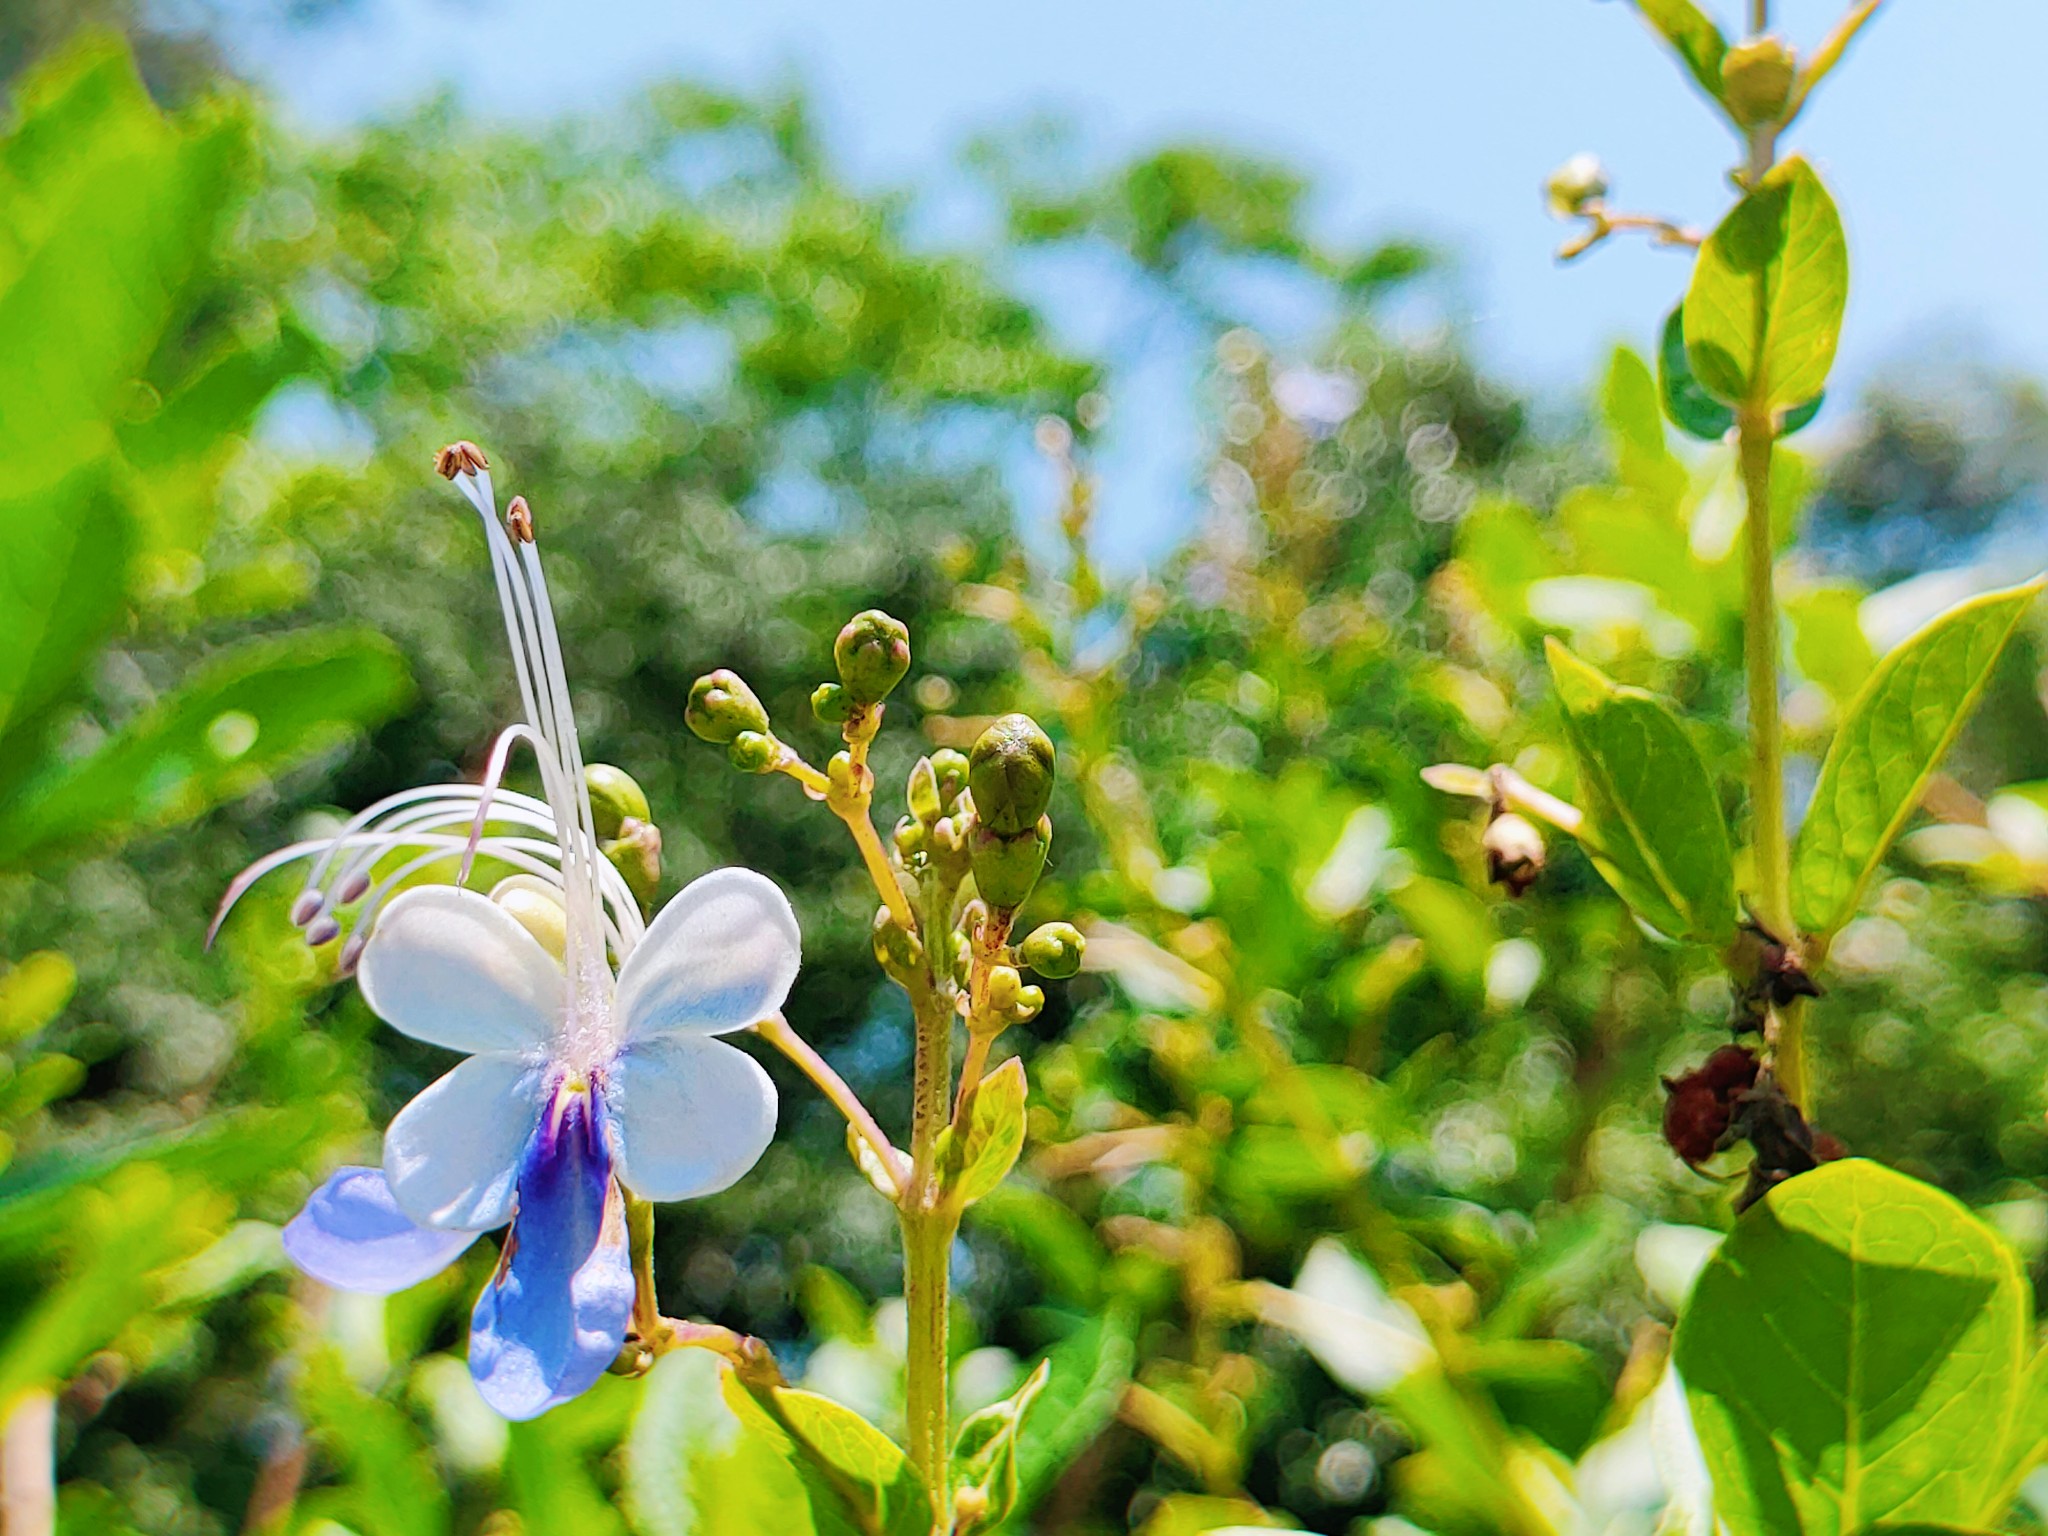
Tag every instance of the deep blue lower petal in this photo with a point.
(554, 1315)
(353, 1236)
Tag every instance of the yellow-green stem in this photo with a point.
(928, 1226)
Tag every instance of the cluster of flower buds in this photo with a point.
(872, 654)
(626, 832)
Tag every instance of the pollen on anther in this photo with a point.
(460, 458)
(519, 520)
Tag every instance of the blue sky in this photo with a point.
(1438, 117)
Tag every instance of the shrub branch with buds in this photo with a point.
(950, 882)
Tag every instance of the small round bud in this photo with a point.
(949, 767)
(872, 653)
(840, 775)
(1757, 76)
(1029, 1001)
(830, 704)
(1009, 773)
(537, 907)
(1003, 986)
(613, 798)
(946, 834)
(923, 792)
(722, 707)
(636, 854)
(898, 951)
(1514, 852)
(1573, 186)
(1006, 868)
(1053, 950)
(911, 836)
(753, 752)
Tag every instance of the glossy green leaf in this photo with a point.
(1653, 820)
(1693, 36)
(1691, 409)
(985, 1452)
(1635, 425)
(1764, 310)
(1890, 742)
(253, 712)
(1854, 1354)
(707, 1458)
(995, 1132)
(1089, 1370)
(62, 586)
(1828, 643)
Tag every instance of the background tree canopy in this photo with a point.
(746, 401)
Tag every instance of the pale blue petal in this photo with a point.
(689, 1115)
(452, 1154)
(353, 1236)
(554, 1316)
(718, 957)
(452, 967)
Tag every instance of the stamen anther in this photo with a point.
(306, 907)
(352, 889)
(519, 521)
(463, 458)
(325, 931)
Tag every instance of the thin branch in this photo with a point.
(1829, 54)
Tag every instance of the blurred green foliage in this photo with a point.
(746, 402)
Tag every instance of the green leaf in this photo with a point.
(854, 1477)
(1635, 423)
(1854, 1354)
(1653, 821)
(1828, 643)
(1504, 548)
(705, 1457)
(390, 1485)
(62, 585)
(251, 713)
(1764, 310)
(1059, 1246)
(550, 1483)
(995, 1133)
(1894, 736)
(985, 1452)
(1697, 41)
(1089, 1370)
(1691, 409)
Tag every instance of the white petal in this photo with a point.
(718, 957)
(689, 1115)
(452, 967)
(452, 1155)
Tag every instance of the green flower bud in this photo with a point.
(1053, 950)
(946, 834)
(1029, 1001)
(950, 769)
(1756, 80)
(897, 951)
(754, 752)
(923, 792)
(1009, 773)
(636, 854)
(839, 773)
(1580, 181)
(1006, 868)
(963, 957)
(722, 707)
(872, 653)
(613, 798)
(1003, 986)
(911, 835)
(830, 704)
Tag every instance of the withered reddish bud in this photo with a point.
(1514, 852)
(1786, 975)
(519, 521)
(460, 459)
(1701, 1104)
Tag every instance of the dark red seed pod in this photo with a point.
(1701, 1104)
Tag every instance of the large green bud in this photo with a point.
(1006, 868)
(949, 768)
(636, 854)
(1009, 773)
(614, 798)
(1757, 76)
(872, 653)
(1053, 950)
(722, 707)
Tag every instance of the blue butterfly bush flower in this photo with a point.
(592, 1063)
